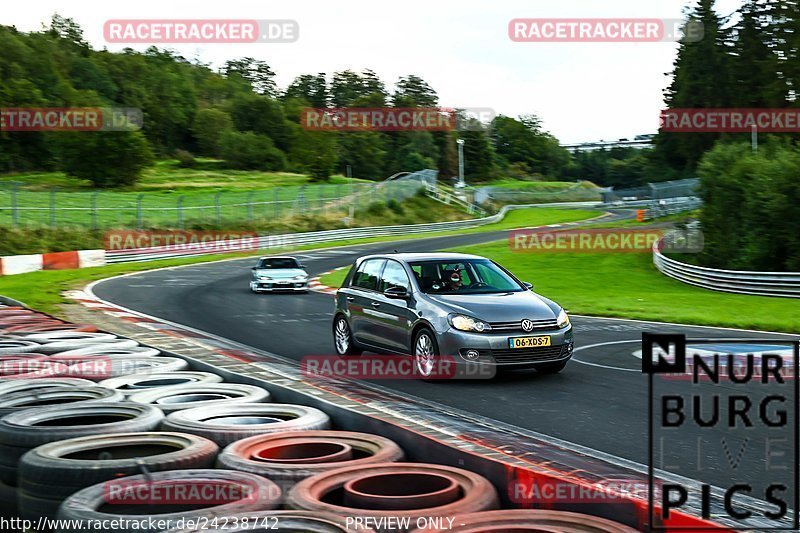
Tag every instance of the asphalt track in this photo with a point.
(599, 401)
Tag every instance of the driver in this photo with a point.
(452, 280)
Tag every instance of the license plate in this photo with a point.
(529, 342)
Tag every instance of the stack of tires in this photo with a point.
(97, 427)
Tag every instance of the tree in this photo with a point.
(348, 86)
(701, 79)
(760, 188)
(523, 141)
(208, 128)
(106, 158)
(754, 65)
(250, 151)
(313, 152)
(313, 89)
(255, 72)
(263, 115)
(479, 163)
(413, 91)
(364, 152)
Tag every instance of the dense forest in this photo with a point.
(236, 113)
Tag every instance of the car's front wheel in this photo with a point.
(426, 354)
(343, 338)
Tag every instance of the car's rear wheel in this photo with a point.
(426, 354)
(343, 338)
(553, 368)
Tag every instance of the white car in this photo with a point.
(279, 274)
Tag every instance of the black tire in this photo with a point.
(63, 346)
(20, 385)
(103, 457)
(552, 368)
(243, 420)
(84, 505)
(22, 430)
(141, 382)
(429, 370)
(101, 368)
(343, 341)
(171, 399)
(10, 403)
(9, 459)
(111, 352)
(8, 501)
(32, 507)
(16, 346)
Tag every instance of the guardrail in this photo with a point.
(784, 284)
(315, 237)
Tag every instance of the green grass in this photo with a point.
(629, 286)
(164, 187)
(519, 218)
(540, 186)
(43, 290)
(414, 210)
(538, 216)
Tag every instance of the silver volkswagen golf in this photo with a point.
(463, 306)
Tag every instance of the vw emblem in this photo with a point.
(527, 325)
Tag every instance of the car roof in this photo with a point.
(426, 256)
(277, 257)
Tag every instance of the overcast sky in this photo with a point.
(582, 91)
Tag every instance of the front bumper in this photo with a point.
(493, 348)
(274, 286)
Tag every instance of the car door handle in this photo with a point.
(350, 298)
(376, 304)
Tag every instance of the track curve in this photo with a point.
(599, 401)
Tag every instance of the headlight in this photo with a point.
(300, 277)
(467, 323)
(264, 278)
(563, 319)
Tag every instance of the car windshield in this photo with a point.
(469, 276)
(278, 262)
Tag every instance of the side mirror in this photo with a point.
(528, 286)
(253, 268)
(397, 293)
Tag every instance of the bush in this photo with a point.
(185, 159)
(376, 208)
(395, 206)
(251, 151)
(749, 217)
(208, 128)
(106, 158)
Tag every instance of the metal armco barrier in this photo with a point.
(266, 242)
(785, 284)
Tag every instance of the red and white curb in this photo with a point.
(316, 286)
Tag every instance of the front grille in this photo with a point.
(515, 326)
(524, 355)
